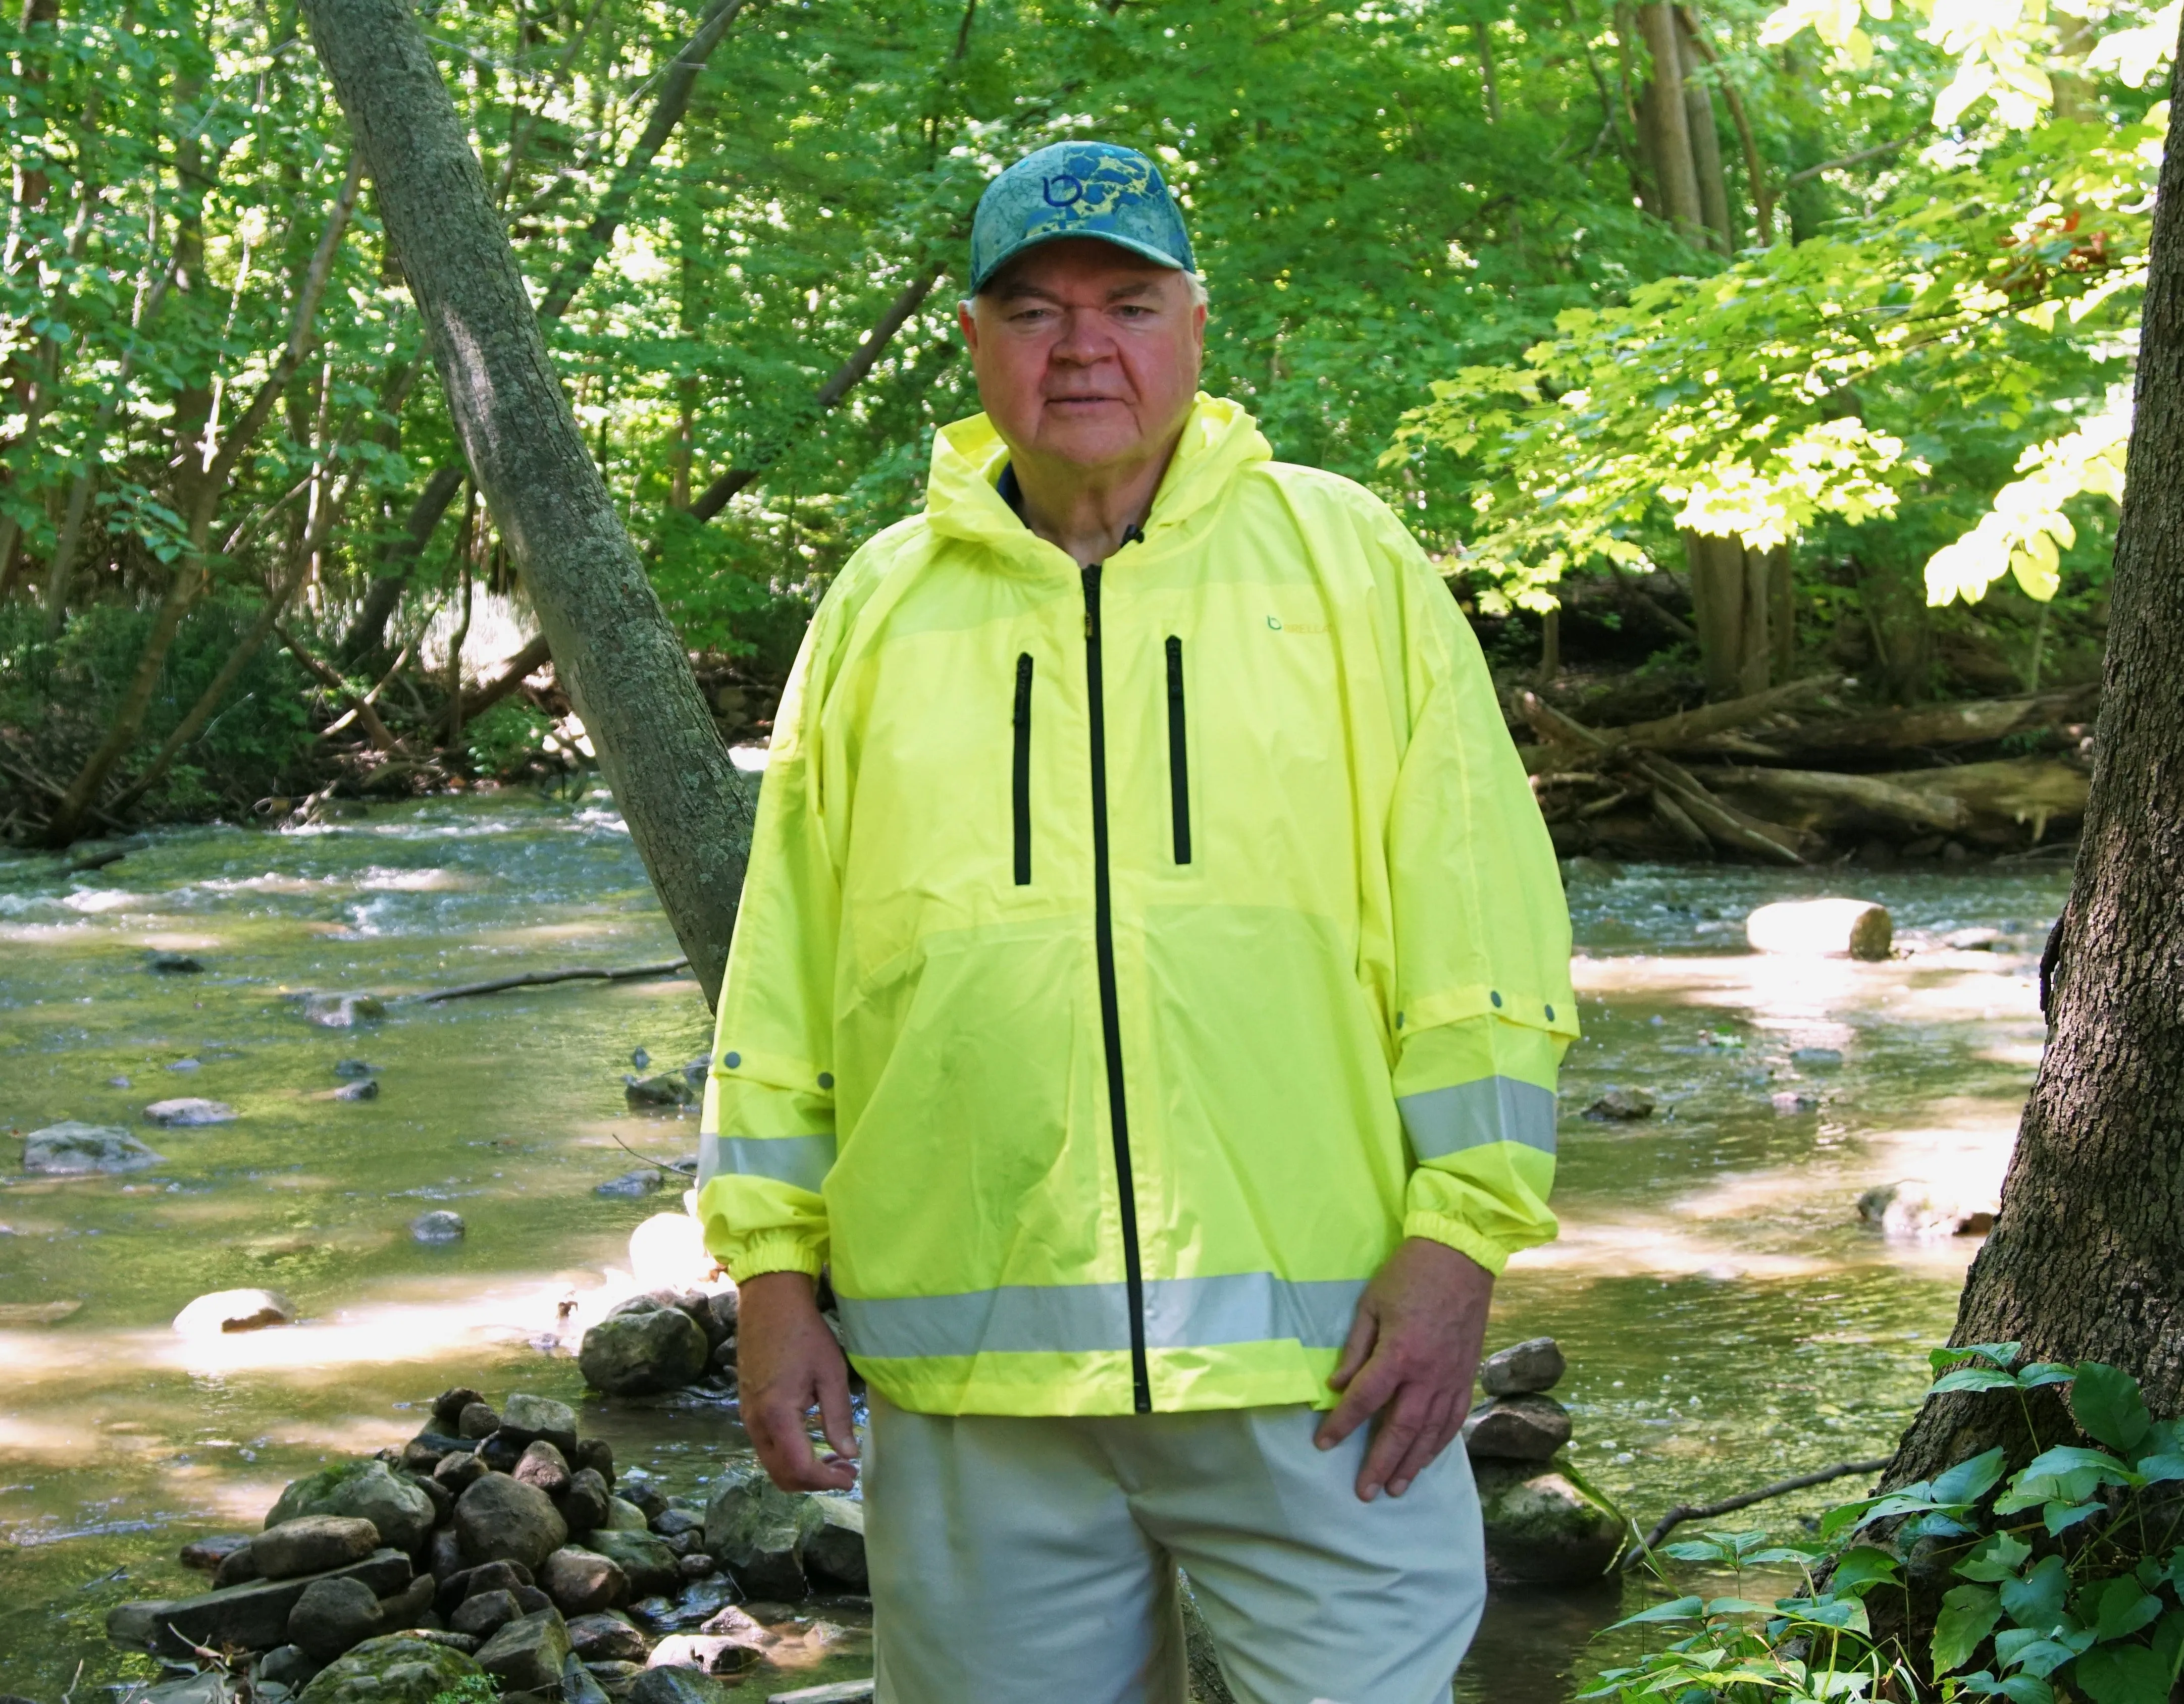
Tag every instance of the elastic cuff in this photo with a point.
(1441, 1228)
(777, 1252)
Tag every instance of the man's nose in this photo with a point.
(1085, 341)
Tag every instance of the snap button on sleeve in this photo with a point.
(732, 1060)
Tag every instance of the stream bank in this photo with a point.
(1729, 1318)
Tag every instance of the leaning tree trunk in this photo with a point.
(613, 645)
(2087, 1260)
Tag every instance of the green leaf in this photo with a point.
(1968, 1614)
(2019, 1689)
(2060, 1517)
(1861, 1568)
(1968, 1481)
(1677, 1609)
(2121, 1674)
(1972, 1378)
(1734, 1605)
(1998, 1558)
(2169, 1642)
(2036, 1656)
(2044, 1372)
(2157, 1469)
(2106, 1403)
(2066, 1474)
(2119, 1608)
(1847, 1612)
(2037, 1601)
(2000, 1354)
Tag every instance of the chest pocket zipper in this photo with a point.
(1179, 759)
(1020, 783)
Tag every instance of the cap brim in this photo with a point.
(1143, 251)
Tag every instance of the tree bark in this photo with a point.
(1706, 139)
(1763, 197)
(2083, 1261)
(1732, 600)
(1667, 124)
(613, 646)
(367, 633)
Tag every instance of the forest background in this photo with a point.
(1619, 306)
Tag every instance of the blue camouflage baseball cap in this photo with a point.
(1078, 189)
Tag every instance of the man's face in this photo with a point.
(1086, 355)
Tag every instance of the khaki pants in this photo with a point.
(1035, 1559)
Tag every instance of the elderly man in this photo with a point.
(1146, 1002)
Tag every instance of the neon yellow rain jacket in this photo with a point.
(1132, 956)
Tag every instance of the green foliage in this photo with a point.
(506, 740)
(2085, 1598)
(471, 1688)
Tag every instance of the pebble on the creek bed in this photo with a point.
(68, 1149)
(438, 1226)
(352, 1068)
(225, 1311)
(340, 1010)
(1816, 1056)
(1790, 1101)
(367, 1089)
(645, 1181)
(189, 1111)
(175, 965)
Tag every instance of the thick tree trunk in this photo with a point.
(1666, 122)
(1734, 597)
(2087, 1260)
(613, 646)
(1706, 139)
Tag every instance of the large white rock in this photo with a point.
(1855, 929)
(1914, 1207)
(69, 1147)
(228, 1311)
(668, 1251)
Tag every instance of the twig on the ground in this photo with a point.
(536, 978)
(657, 1165)
(1701, 1511)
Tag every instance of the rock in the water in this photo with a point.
(696, 1565)
(646, 1564)
(369, 1490)
(175, 965)
(364, 1089)
(643, 1182)
(234, 1309)
(332, 1615)
(528, 1417)
(476, 1421)
(1542, 1529)
(527, 1654)
(1517, 1428)
(235, 1567)
(438, 1226)
(207, 1553)
(187, 1065)
(312, 1544)
(757, 1531)
(352, 1068)
(641, 1349)
(1816, 1056)
(252, 1617)
(606, 1639)
(1916, 1208)
(503, 1518)
(69, 1147)
(674, 1683)
(834, 1549)
(1789, 1102)
(448, 1408)
(1622, 1104)
(342, 1010)
(484, 1613)
(583, 1582)
(1856, 928)
(543, 1464)
(639, 1058)
(579, 1685)
(625, 1516)
(667, 1090)
(396, 1669)
(188, 1111)
(1536, 1364)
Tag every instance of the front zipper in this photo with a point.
(1020, 785)
(1111, 1020)
(1179, 759)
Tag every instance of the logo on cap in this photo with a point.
(1062, 189)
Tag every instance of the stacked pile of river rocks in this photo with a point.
(1544, 1525)
(502, 1544)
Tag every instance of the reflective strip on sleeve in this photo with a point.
(1471, 1115)
(802, 1160)
(1180, 1313)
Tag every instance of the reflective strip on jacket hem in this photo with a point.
(1471, 1115)
(802, 1160)
(1180, 1313)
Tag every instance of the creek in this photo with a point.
(1729, 1319)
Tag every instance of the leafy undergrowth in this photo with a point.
(2067, 1575)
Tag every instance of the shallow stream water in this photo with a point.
(1729, 1319)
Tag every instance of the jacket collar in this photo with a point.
(1220, 440)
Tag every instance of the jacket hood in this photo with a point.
(1219, 441)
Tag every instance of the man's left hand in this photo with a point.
(1412, 1352)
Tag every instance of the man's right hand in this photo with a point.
(787, 1364)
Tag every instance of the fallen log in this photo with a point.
(1684, 730)
(1922, 808)
(533, 979)
(1968, 723)
(2034, 790)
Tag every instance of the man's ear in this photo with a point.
(969, 323)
